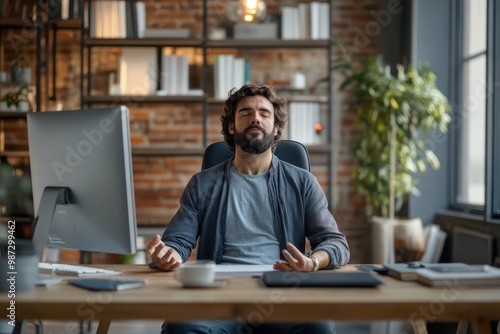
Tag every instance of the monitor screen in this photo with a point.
(83, 192)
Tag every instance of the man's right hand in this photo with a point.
(165, 257)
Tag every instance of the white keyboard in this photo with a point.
(72, 270)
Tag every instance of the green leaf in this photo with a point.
(419, 108)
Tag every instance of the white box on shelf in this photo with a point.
(268, 30)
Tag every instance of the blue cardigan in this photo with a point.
(298, 202)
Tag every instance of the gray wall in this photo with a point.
(431, 34)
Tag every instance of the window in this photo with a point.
(472, 104)
(474, 92)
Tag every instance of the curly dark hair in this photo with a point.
(235, 96)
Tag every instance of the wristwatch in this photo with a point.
(315, 262)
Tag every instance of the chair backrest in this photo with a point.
(287, 150)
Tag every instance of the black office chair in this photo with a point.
(287, 150)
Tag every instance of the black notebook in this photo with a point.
(320, 279)
(106, 284)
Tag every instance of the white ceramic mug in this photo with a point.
(196, 274)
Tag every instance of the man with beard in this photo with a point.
(252, 209)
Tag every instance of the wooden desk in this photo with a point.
(247, 299)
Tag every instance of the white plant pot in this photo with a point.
(21, 75)
(387, 235)
(382, 240)
(23, 106)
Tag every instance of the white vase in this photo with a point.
(382, 240)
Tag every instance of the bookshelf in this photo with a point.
(298, 53)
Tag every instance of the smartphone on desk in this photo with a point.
(462, 269)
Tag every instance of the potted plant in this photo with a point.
(394, 116)
(17, 99)
(15, 192)
(20, 69)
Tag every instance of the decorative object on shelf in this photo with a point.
(15, 193)
(20, 70)
(263, 30)
(17, 99)
(217, 34)
(247, 11)
(298, 80)
(394, 116)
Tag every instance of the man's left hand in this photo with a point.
(295, 260)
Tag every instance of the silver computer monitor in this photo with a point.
(81, 169)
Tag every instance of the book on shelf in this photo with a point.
(469, 276)
(140, 7)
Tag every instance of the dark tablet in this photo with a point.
(320, 279)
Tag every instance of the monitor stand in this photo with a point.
(51, 197)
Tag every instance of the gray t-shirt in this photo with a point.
(249, 237)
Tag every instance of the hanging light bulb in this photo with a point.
(251, 10)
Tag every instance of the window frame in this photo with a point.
(491, 208)
(493, 188)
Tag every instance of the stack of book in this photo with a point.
(229, 72)
(117, 19)
(175, 75)
(304, 117)
(306, 21)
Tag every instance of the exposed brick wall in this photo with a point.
(160, 180)
(351, 24)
